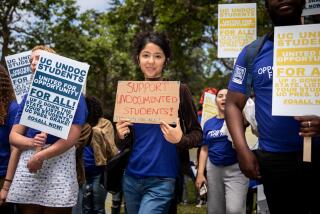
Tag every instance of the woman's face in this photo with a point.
(35, 55)
(221, 99)
(152, 60)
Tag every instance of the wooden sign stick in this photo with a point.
(307, 149)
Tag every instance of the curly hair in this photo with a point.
(6, 94)
(142, 39)
(43, 47)
(94, 109)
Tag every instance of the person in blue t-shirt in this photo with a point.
(8, 110)
(149, 180)
(289, 183)
(227, 186)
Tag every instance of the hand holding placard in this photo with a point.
(39, 140)
(309, 127)
(171, 134)
(123, 128)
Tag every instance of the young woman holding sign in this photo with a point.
(45, 181)
(149, 180)
(8, 110)
(227, 186)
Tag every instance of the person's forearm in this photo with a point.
(61, 145)
(236, 128)
(12, 165)
(234, 119)
(55, 149)
(18, 140)
(202, 160)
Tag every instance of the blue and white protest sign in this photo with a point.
(20, 73)
(54, 94)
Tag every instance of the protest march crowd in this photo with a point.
(59, 171)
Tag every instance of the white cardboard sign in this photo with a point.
(20, 73)
(237, 27)
(296, 70)
(54, 94)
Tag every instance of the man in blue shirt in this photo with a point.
(289, 183)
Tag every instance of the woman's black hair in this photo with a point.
(95, 111)
(142, 39)
(219, 89)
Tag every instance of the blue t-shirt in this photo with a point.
(276, 133)
(4, 137)
(89, 162)
(220, 149)
(79, 119)
(152, 155)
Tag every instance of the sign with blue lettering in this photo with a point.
(20, 73)
(54, 94)
(312, 7)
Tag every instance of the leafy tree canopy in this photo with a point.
(103, 39)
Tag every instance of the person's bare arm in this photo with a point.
(12, 165)
(18, 140)
(203, 157)
(59, 147)
(233, 116)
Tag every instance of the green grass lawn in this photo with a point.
(191, 208)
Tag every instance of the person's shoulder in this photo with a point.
(103, 123)
(210, 121)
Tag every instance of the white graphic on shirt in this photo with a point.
(266, 69)
(238, 74)
(215, 133)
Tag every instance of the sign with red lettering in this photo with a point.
(147, 101)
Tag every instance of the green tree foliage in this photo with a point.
(25, 23)
(104, 40)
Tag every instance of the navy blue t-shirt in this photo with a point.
(276, 133)
(89, 162)
(220, 149)
(79, 119)
(4, 137)
(152, 155)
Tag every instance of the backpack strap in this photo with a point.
(253, 50)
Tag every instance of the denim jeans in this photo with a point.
(148, 195)
(94, 196)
